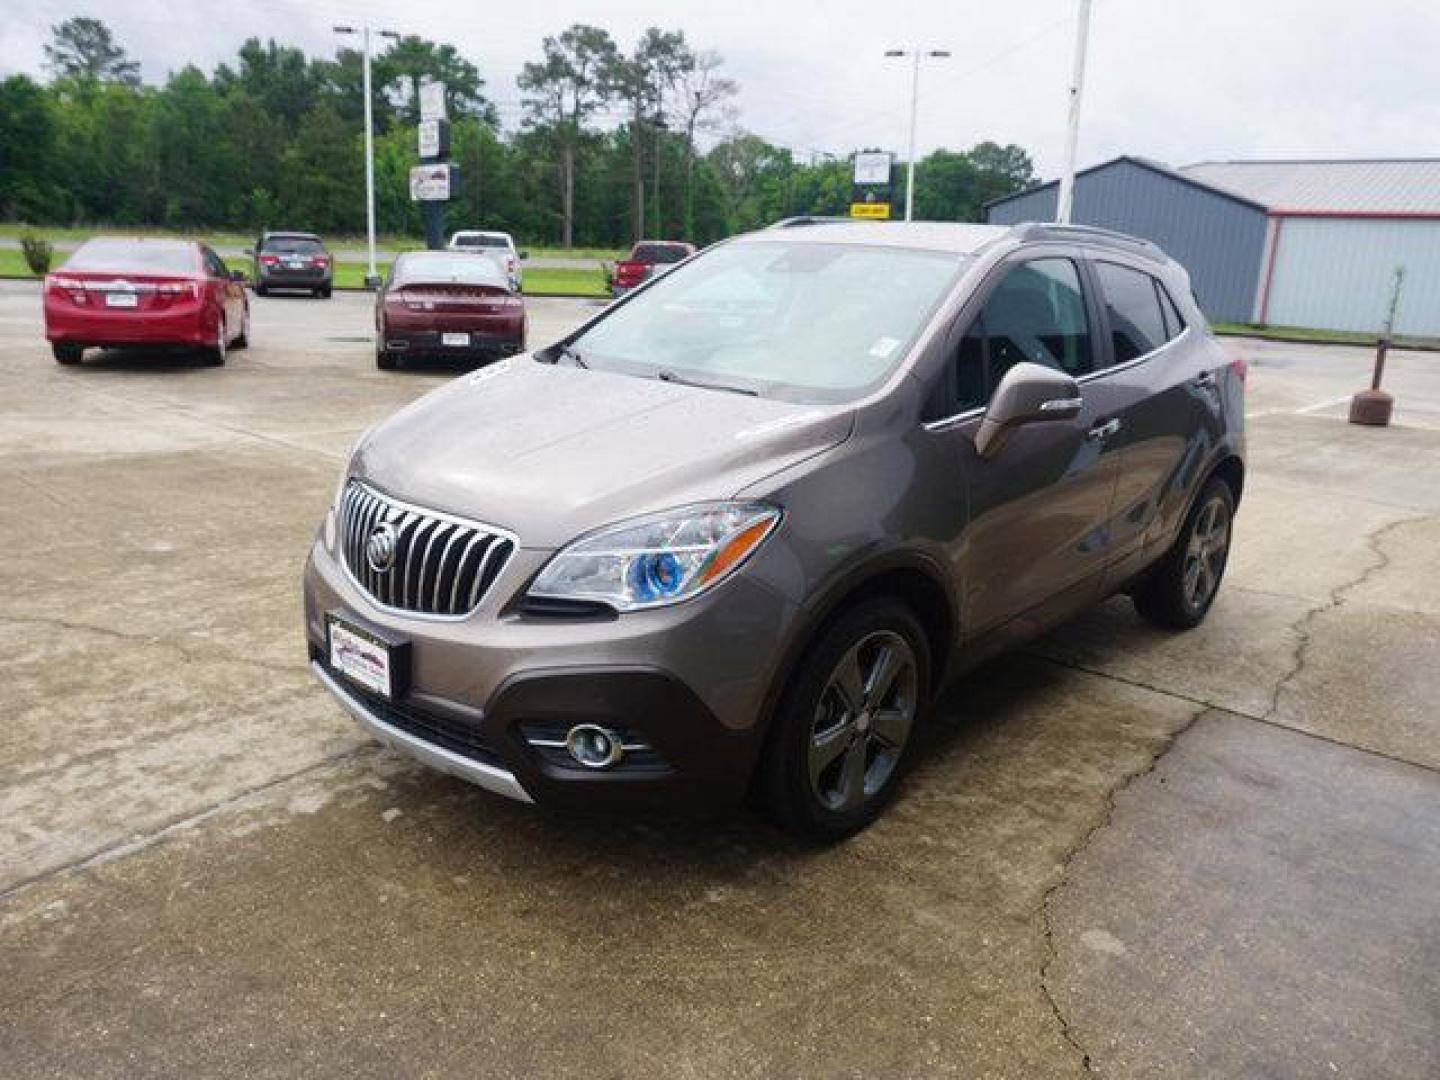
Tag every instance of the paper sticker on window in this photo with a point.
(883, 347)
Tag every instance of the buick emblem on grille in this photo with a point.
(380, 547)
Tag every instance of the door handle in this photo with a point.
(1103, 431)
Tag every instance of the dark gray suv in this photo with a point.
(730, 536)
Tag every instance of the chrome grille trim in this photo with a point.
(443, 565)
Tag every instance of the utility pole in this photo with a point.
(372, 278)
(1066, 200)
(915, 54)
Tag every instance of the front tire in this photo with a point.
(845, 724)
(66, 352)
(1179, 591)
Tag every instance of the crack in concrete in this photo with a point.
(179, 823)
(189, 653)
(1103, 820)
(1302, 627)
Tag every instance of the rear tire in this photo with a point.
(386, 360)
(324, 293)
(844, 728)
(243, 341)
(262, 290)
(67, 353)
(214, 356)
(1179, 591)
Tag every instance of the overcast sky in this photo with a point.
(1177, 81)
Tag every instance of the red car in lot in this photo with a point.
(648, 259)
(119, 292)
(447, 304)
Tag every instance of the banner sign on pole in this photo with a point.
(434, 138)
(870, 193)
(432, 100)
(432, 183)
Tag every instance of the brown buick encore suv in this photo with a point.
(729, 536)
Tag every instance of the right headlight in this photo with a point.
(657, 560)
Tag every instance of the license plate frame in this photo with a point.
(455, 340)
(122, 300)
(368, 657)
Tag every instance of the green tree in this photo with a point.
(279, 78)
(411, 60)
(27, 150)
(562, 92)
(324, 169)
(84, 48)
(703, 94)
(644, 80)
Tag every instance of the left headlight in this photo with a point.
(657, 560)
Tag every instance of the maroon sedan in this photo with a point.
(447, 304)
(115, 291)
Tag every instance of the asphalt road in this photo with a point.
(1122, 851)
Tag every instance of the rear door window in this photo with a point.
(1132, 303)
(659, 253)
(1036, 314)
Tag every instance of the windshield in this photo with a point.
(135, 256)
(293, 245)
(796, 320)
(434, 267)
(476, 240)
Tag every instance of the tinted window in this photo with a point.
(1174, 324)
(659, 253)
(292, 245)
(1136, 325)
(475, 240)
(1036, 314)
(214, 265)
(134, 256)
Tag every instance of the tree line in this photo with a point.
(613, 144)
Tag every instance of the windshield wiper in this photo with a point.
(573, 355)
(666, 375)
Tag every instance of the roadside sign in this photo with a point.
(434, 138)
(432, 183)
(432, 100)
(872, 168)
(880, 210)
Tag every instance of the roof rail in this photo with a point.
(1050, 230)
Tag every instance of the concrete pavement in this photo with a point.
(1121, 851)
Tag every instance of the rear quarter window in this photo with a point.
(1132, 303)
(658, 253)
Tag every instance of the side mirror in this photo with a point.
(1028, 394)
(237, 275)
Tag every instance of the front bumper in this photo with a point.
(491, 696)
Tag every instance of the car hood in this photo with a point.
(551, 452)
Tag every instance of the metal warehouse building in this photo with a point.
(1288, 243)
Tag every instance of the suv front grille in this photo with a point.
(439, 565)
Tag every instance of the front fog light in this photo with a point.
(592, 746)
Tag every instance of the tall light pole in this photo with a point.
(915, 54)
(372, 278)
(1066, 199)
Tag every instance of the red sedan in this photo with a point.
(121, 292)
(447, 304)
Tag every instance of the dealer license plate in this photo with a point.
(363, 657)
(121, 299)
(458, 341)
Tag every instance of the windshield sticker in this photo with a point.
(883, 347)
